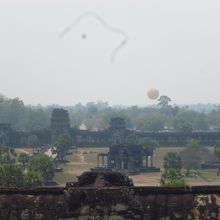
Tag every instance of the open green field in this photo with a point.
(83, 159)
(206, 177)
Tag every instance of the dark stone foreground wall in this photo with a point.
(111, 203)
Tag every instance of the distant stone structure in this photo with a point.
(115, 134)
(60, 123)
(118, 130)
(5, 131)
(128, 158)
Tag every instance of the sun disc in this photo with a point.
(153, 93)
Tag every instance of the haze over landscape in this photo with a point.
(109, 109)
(173, 46)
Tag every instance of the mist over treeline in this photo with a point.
(96, 116)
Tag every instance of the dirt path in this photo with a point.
(23, 151)
(146, 179)
(82, 157)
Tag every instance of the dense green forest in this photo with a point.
(96, 116)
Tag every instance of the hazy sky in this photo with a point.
(174, 45)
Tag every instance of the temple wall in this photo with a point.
(90, 138)
(105, 138)
(114, 203)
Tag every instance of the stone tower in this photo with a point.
(60, 122)
(117, 129)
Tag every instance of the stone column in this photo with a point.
(103, 161)
(118, 164)
(151, 160)
(146, 161)
(97, 160)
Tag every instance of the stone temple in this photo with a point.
(60, 123)
(115, 134)
(128, 158)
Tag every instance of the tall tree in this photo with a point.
(172, 160)
(7, 155)
(33, 141)
(43, 165)
(217, 153)
(11, 175)
(33, 179)
(172, 178)
(194, 155)
(63, 144)
(23, 158)
(164, 101)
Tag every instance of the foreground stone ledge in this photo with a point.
(115, 203)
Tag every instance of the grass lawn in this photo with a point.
(83, 159)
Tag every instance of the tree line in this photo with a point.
(96, 116)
